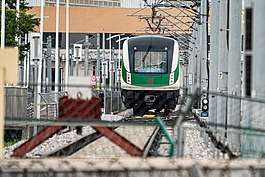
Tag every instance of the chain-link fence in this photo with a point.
(233, 128)
(82, 130)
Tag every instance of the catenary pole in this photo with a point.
(203, 44)
(234, 72)
(247, 65)
(222, 70)
(214, 55)
(258, 72)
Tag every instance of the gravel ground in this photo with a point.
(194, 147)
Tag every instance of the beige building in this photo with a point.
(92, 19)
(97, 19)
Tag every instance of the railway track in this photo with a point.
(142, 132)
(148, 145)
(134, 143)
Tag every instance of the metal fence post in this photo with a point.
(178, 130)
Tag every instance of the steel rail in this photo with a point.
(152, 145)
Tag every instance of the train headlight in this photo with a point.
(205, 104)
(171, 79)
(129, 81)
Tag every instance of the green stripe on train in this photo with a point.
(123, 71)
(158, 80)
(150, 81)
(176, 77)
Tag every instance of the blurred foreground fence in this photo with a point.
(235, 125)
(120, 167)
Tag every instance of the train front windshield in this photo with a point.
(150, 55)
(150, 61)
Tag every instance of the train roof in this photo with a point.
(151, 36)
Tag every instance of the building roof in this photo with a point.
(91, 19)
(97, 19)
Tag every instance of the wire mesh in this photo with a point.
(77, 118)
(253, 134)
(238, 127)
(239, 124)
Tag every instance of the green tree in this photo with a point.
(23, 4)
(18, 26)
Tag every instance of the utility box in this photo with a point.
(16, 108)
(16, 102)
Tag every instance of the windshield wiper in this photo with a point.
(146, 53)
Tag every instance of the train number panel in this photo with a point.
(150, 73)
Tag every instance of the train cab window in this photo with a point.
(150, 61)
